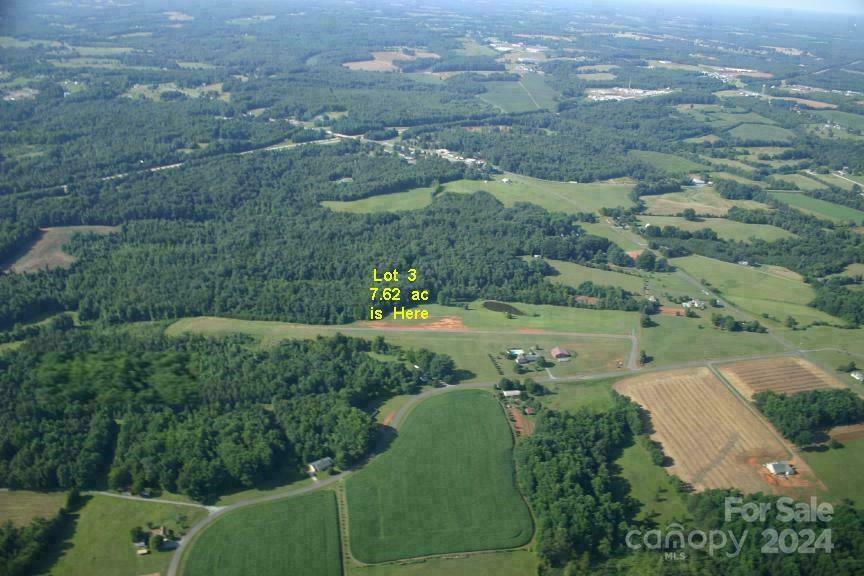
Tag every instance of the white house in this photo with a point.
(700, 304)
(511, 393)
(527, 357)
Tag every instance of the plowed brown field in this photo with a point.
(713, 438)
(781, 375)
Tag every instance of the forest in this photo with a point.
(803, 417)
(199, 416)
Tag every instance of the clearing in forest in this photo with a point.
(713, 438)
(781, 375)
(446, 485)
(47, 252)
(384, 61)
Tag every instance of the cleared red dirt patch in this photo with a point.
(443, 324)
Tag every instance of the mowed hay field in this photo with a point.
(726, 229)
(48, 252)
(713, 438)
(21, 506)
(820, 208)
(509, 563)
(100, 542)
(554, 196)
(705, 201)
(445, 485)
(781, 375)
(292, 536)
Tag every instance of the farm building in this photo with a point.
(780, 468)
(142, 552)
(530, 411)
(320, 465)
(511, 393)
(560, 354)
(700, 304)
(858, 375)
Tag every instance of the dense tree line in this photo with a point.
(800, 416)
(190, 415)
(564, 468)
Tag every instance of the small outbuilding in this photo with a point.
(858, 375)
(320, 466)
(780, 468)
(700, 304)
(560, 354)
(529, 411)
(511, 393)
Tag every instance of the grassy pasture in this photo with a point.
(761, 132)
(757, 290)
(679, 339)
(833, 466)
(100, 543)
(596, 76)
(726, 229)
(595, 395)
(626, 239)
(820, 208)
(505, 563)
(651, 485)
(553, 196)
(22, 506)
(834, 180)
(575, 274)
(471, 47)
(845, 119)
(508, 97)
(445, 485)
(540, 90)
(667, 162)
(802, 181)
(704, 200)
(291, 536)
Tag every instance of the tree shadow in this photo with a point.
(61, 542)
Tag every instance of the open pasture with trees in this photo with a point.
(668, 162)
(100, 541)
(446, 485)
(705, 201)
(758, 290)
(297, 535)
(21, 506)
(726, 229)
(506, 563)
(713, 439)
(786, 375)
(820, 208)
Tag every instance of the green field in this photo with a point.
(596, 76)
(595, 395)
(553, 196)
(704, 200)
(626, 239)
(445, 485)
(833, 468)
(543, 93)
(667, 162)
(727, 229)
(802, 181)
(820, 208)
(21, 506)
(845, 119)
(508, 97)
(575, 274)
(651, 485)
(100, 543)
(757, 290)
(509, 563)
(680, 339)
(297, 535)
(485, 333)
(761, 133)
